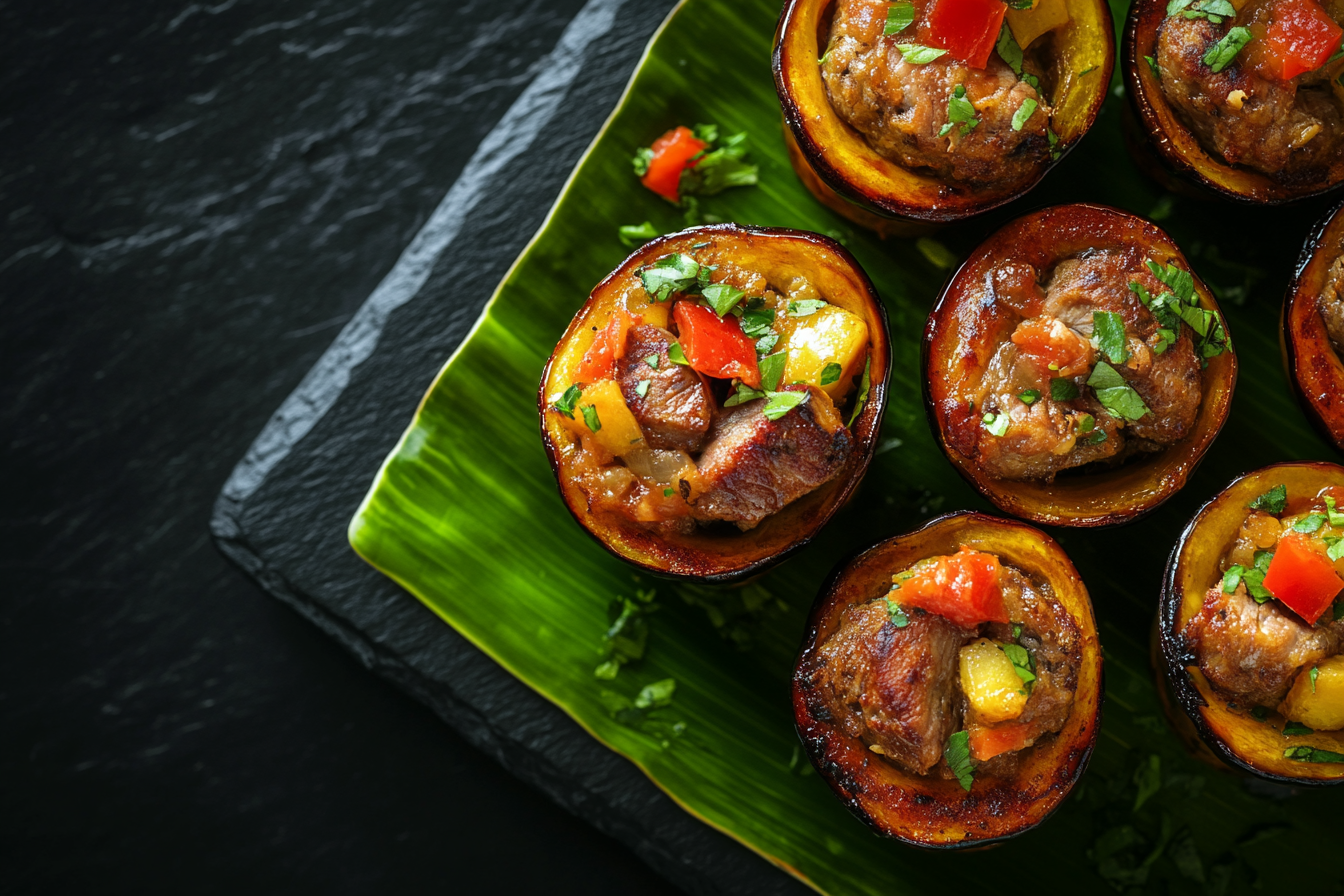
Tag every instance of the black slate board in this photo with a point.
(282, 516)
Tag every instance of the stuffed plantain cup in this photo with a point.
(1313, 328)
(717, 399)
(1251, 627)
(901, 115)
(1239, 98)
(1075, 369)
(949, 684)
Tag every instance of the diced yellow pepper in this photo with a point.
(617, 431)
(991, 684)
(1321, 709)
(830, 335)
(640, 304)
(1029, 24)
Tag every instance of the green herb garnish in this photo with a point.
(669, 274)
(862, 398)
(766, 344)
(652, 361)
(567, 401)
(900, 16)
(722, 297)
(772, 370)
(1024, 664)
(961, 112)
(1255, 577)
(1232, 578)
(1031, 396)
(1272, 501)
(1309, 523)
(1310, 754)
(780, 403)
(1115, 394)
(642, 388)
(997, 424)
(898, 617)
(1314, 674)
(1336, 518)
(918, 54)
(756, 322)
(676, 355)
(1296, 729)
(1152, 65)
(590, 417)
(804, 307)
(958, 756)
(1221, 54)
(1109, 328)
(643, 156)
(1334, 547)
(1063, 390)
(830, 374)
(1024, 113)
(634, 234)
(720, 168)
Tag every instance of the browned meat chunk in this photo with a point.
(1288, 130)
(1051, 636)
(900, 108)
(893, 687)
(753, 466)
(1043, 437)
(1331, 304)
(1253, 651)
(676, 409)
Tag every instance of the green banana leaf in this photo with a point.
(465, 514)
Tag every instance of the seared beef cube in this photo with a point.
(893, 687)
(1052, 638)
(677, 409)
(1254, 651)
(753, 465)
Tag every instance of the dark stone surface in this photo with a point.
(196, 198)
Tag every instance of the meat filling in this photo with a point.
(670, 402)
(901, 108)
(1040, 408)
(1254, 646)
(1290, 130)
(1331, 304)
(897, 679)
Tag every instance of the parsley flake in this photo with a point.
(918, 54)
(590, 417)
(676, 355)
(1109, 328)
(766, 344)
(900, 16)
(567, 401)
(634, 234)
(668, 275)
(772, 370)
(1336, 518)
(719, 168)
(1024, 113)
(1152, 64)
(1115, 394)
(1296, 729)
(997, 424)
(1008, 49)
(960, 112)
(958, 756)
(1311, 754)
(756, 322)
(1063, 390)
(1334, 548)
(1313, 675)
(1024, 664)
(804, 307)
(1031, 396)
(1272, 501)
(1232, 578)
(864, 384)
(830, 374)
(652, 361)
(1309, 523)
(642, 388)
(1221, 54)
(722, 297)
(898, 617)
(780, 403)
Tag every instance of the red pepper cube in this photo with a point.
(963, 588)
(1301, 37)
(716, 346)
(672, 154)
(1302, 579)
(599, 362)
(967, 29)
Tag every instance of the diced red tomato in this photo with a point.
(599, 363)
(1048, 341)
(1304, 580)
(967, 29)
(986, 743)
(716, 346)
(1301, 37)
(963, 588)
(672, 154)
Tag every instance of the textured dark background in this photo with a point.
(195, 198)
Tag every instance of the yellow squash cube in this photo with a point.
(618, 431)
(1029, 24)
(991, 683)
(1321, 709)
(830, 335)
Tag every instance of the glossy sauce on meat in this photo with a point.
(1288, 130)
(900, 107)
(896, 683)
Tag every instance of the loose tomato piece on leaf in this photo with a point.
(1304, 580)
(986, 743)
(1301, 37)
(963, 588)
(672, 154)
(1048, 341)
(716, 346)
(967, 29)
(599, 363)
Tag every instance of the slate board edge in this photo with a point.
(678, 846)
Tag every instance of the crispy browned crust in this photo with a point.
(1314, 367)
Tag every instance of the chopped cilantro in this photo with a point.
(958, 756)
(722, 297)
(1152, 64)
(652, 361)
(1314, 674)
(1086, 423)
(669, 274)
(590, 417)
(1272, 501)
(634, 234)
(1024, 113)
(918, 54)
(825, 57)
(1115, 394)
(643, 156)
(1221, 54)
(1020, 4)
(1031, 396)
(959, 112)
(669, 492)
(1296, 729)
(1109, 329)
(1309, 523)
(1063, 390)
(756, 322)
(1008, 49)
(1310, 754)
(1255, 577)
(1336, 518)
(566, 403)
(1213, 10)
(1024, 664)
(830, 374)
(1181, 283)
(766, 344)
(898, 617)
(1334, 547)
(743, 395)
(676, 355)
(997, 424)
(804, 307)
(772, 370)
(862, 398)
(780, 403)
(1053, 138)
(1087, 71)
(900, 15)
(719, 168)
(642, 388)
